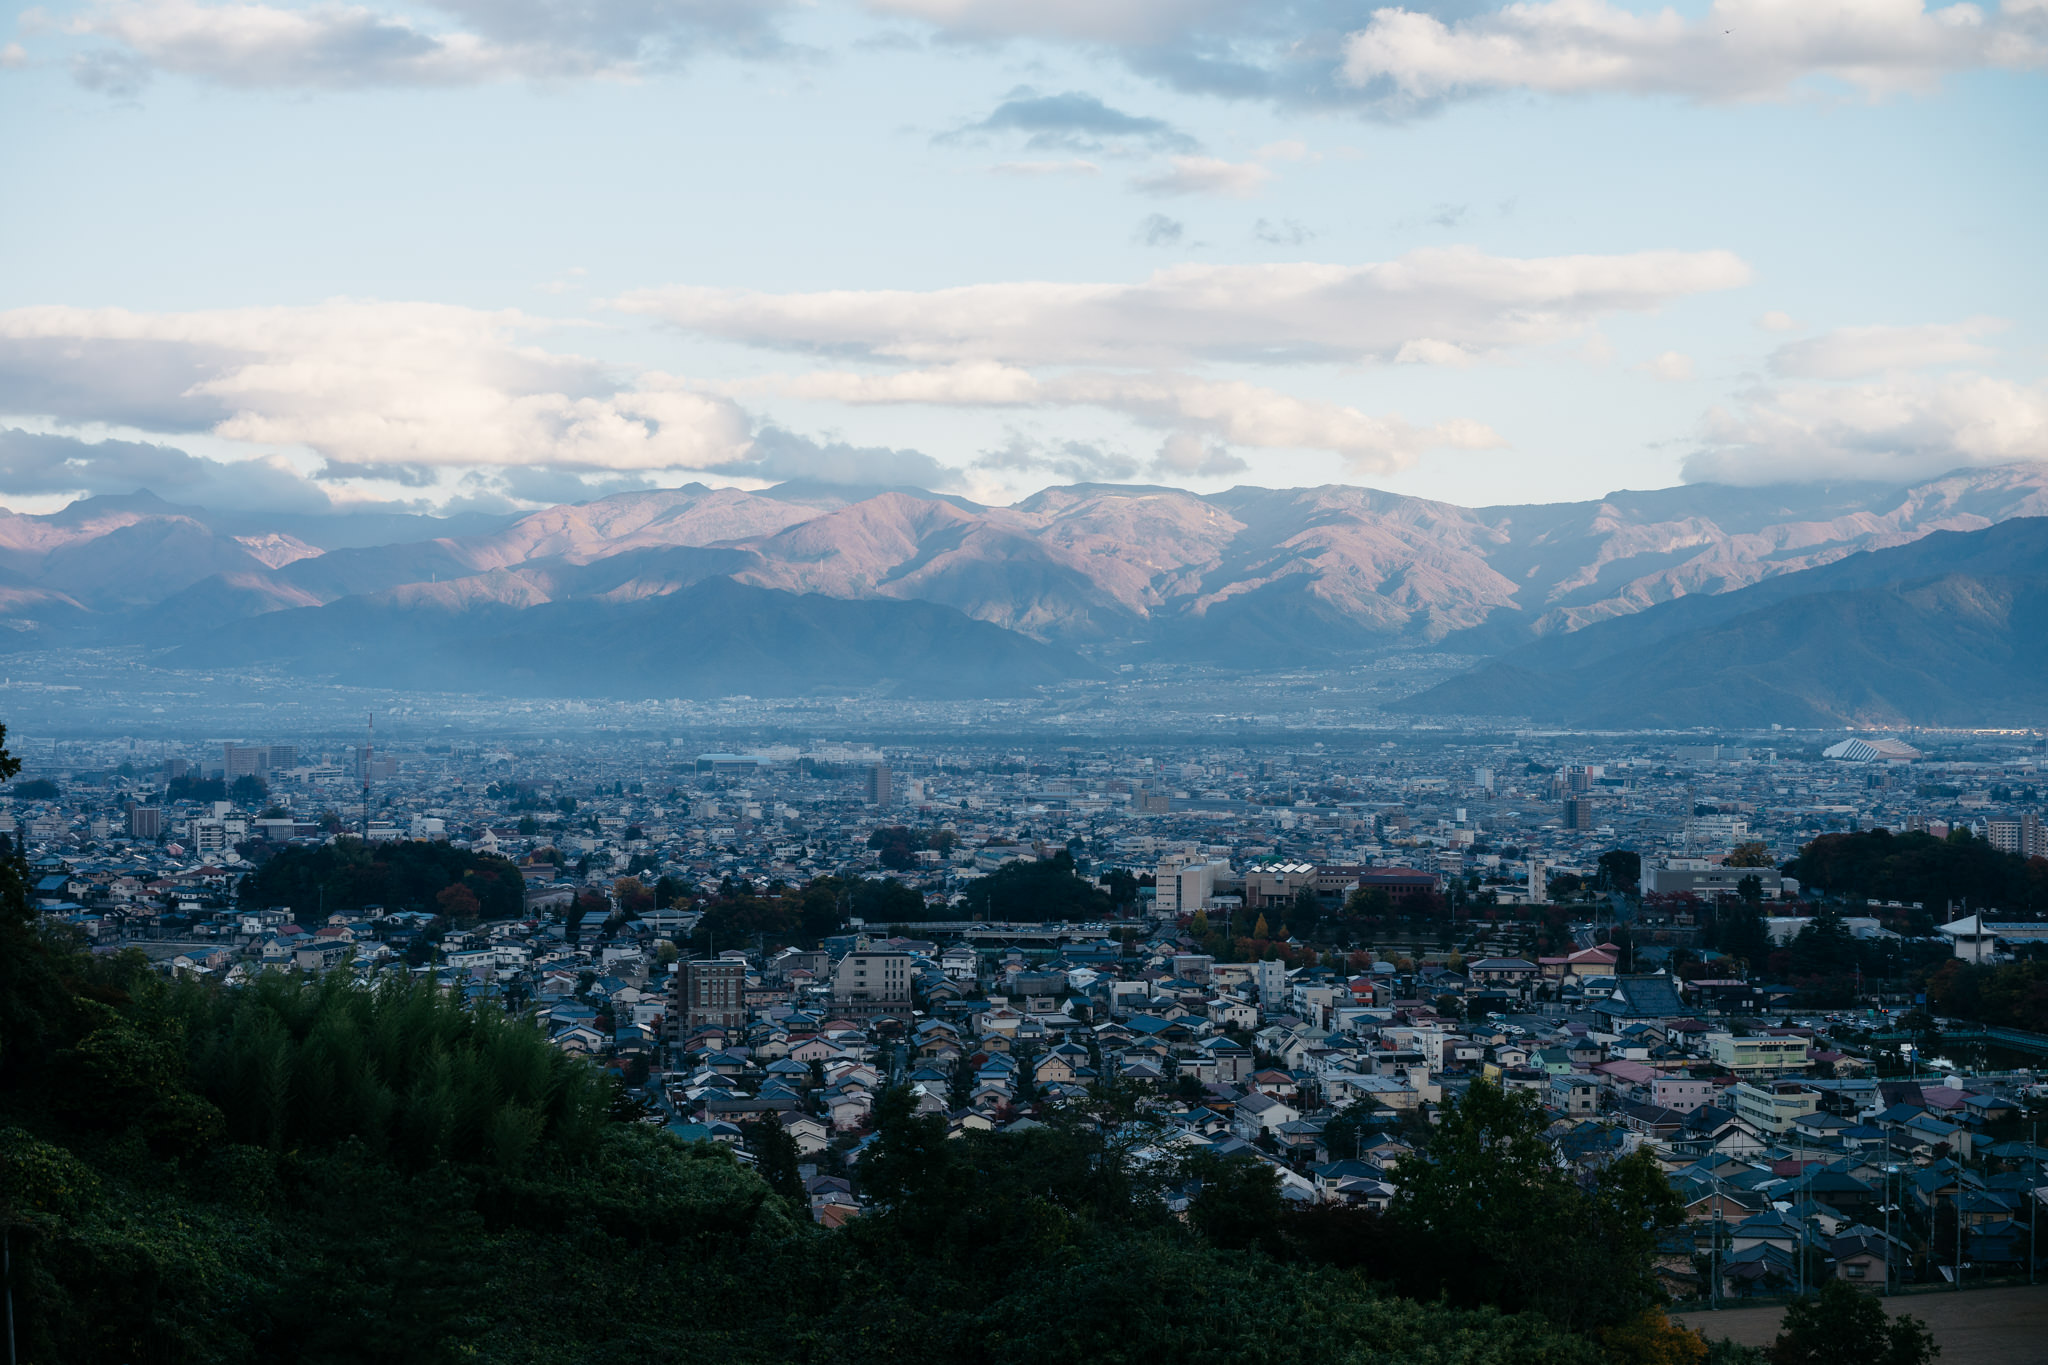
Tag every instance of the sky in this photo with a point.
(495, 254)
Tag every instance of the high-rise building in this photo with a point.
(1185, 883)
(145, 822)
(881, 786)
(256, 760)
(870, 982)
(2026, 836)
(175, 768)
(1578, 813)
(1539, 883)
(709, 991)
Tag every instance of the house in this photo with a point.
(1574, 1094)
(809, 1132)
(1502, 973)
(1258, 1113)
(1640, 999)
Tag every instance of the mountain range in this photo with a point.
(1251, 577)
(1951, 630)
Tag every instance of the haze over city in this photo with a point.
(982, 680)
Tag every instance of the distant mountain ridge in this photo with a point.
(1250, 577)
(714, 638)
(1951, 630)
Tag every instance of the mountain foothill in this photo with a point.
(1702, 604)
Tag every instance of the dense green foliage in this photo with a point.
(1881, 865)
(1842, 1325)
(738, 914)
(1046, 889)
(2008, 995)
(349, 874)
(1489, 1217)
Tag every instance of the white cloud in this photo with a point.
(1188, 456)
(1430, 351)
(1901, 428)
(1240, 413)
(365, 384)
(1670, 365)
(13, 56)
(1854, 352)
(1775, 321)
(1297, 312)
(1205, 175)
(1740, 49)
(340, 46)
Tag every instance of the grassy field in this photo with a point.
(1975, 1327)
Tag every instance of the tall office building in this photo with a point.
(1578, 813)
(256, 760)
(145, 822)
(709, 991)
(881, 785)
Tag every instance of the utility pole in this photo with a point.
(7, 1279)
(1714, 1254)
(368, 752)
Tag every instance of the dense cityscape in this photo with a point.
(1294, 955)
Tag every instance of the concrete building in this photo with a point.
(1185, 884)
(2026, 836)
(869, 982)
(1697, 877)
(256, 760)
(881, 787)
(707, 992)
(1277, 884)
(1772, 1109)
(1757, 1056)
(145, 822)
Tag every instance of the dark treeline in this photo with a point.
(1045, 889)
(349, 874)
(1877, 864)
(2008, 995)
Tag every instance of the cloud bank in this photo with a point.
(1454, 297)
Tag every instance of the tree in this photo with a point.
(249, 790)
(776, 1158)
(1043, 890)
(1651, 1338)
(1753, 854)
(459, 904)
(1238, 1205)
(632, 895)
(1621, 869)
(1492, 1217)
(1841, 1325)
(1306, 915)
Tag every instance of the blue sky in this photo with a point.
(509, 253)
